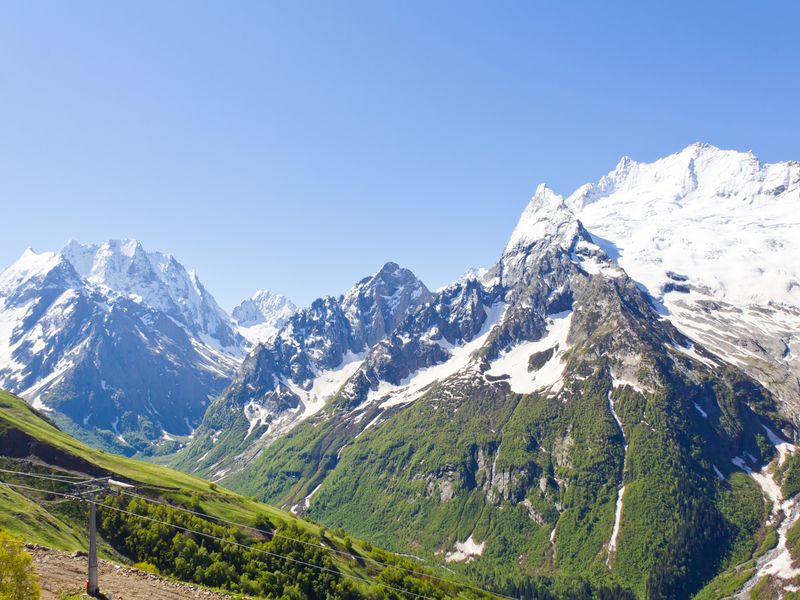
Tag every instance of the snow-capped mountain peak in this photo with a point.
(714, 236)
(28, 266)
(156, 280)
(698, 171)
(262, 315)
(101, 331)
(264, 307)
(546, 219)
(721, 217)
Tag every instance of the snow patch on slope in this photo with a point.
(621, 382)
(327, 383)
(612, 542)
(514, 363)
(778, 561)
(465, 551)
(301, 507)
(324, 385)
(256, 334)
(692, 353)
(460, 358)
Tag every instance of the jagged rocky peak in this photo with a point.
(264, 308)
(331, 327)
(322, 336)
(390, 279)
(376, 304)
(156, 280)
(548, 239)
(545, 220)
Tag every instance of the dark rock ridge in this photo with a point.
(271, 390)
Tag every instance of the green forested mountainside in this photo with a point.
(535, 477)
(190, 535)
(411, 479)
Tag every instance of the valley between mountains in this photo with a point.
(611, 409)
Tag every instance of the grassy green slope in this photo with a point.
(46, 441)
(24, 432)
(26, 519)
(30, 443)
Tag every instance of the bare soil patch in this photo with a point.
(65, 573)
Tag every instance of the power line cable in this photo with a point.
(224, 541)
(60, 478)
(289, 538)
(59, 474)
(313, 545)
(278, 535)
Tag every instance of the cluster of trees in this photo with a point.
(201, 559)
(231, 559)
(789, 475)
(18, 580)
(693, 553)
(573, 588)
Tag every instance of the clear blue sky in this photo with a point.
(299, 145)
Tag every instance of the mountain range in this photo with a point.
(123, 346)
(617, 396)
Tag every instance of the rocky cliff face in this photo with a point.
(290, 377)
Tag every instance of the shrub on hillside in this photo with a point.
(18, 579)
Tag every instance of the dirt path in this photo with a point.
(61, 572)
